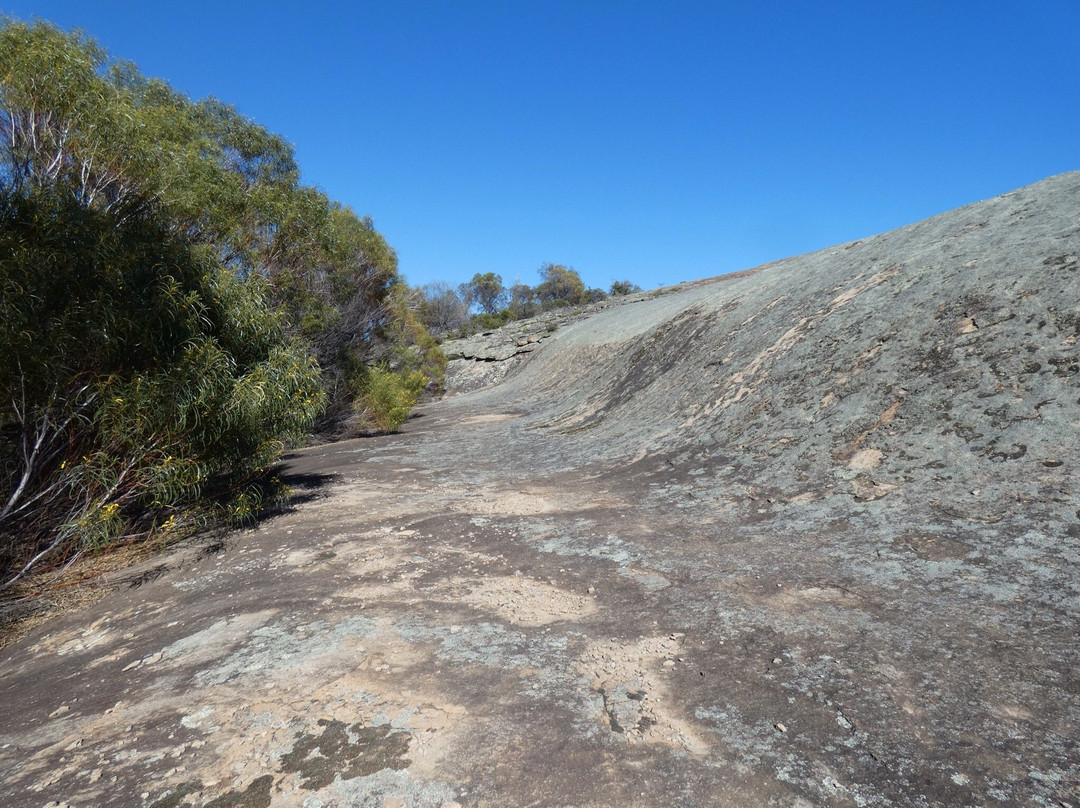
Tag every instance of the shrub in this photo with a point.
(143, 385)
(387, 396)
(619, 288)
(489, 322)
(412, 347)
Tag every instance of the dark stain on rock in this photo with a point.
(211, 549)
(146, 577)
(1017, 451)
(256, 795)
(173, 798)
(351, 750)
(932, 548)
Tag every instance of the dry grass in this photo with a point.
(47, 594)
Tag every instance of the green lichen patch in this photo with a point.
(351, 750)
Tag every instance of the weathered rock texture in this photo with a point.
(489, 357)
(807, 536)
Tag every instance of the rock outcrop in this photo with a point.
(936, 363)
(809, 535)
(486, 358)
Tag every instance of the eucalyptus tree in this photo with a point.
(484, 292)
(523, 302)
(144, 388)
(559, 286)
(441, 308)
(620, 288)
(166, 283)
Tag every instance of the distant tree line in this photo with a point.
(484, 302)
(175, 307)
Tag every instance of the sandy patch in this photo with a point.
(629, 677)
(525, 602)
(525, 502)
(866, 459)
(791, 598)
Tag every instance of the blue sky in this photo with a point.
(657, 142)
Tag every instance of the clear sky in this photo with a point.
(654, 141)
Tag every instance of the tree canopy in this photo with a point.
(560, 283)
(484, 292)
(119, 142)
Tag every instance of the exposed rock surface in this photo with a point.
(808, 536)
(487, 358)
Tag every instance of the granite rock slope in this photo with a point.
(805, 536)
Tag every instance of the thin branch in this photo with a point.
(60, 537)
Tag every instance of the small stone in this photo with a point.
(591, 590)
(777, 660)
(95, 775)
(59, 711)
(669, 663)
(455, 629)
(780, 727)
(869, 490)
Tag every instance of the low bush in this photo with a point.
(387, 396)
